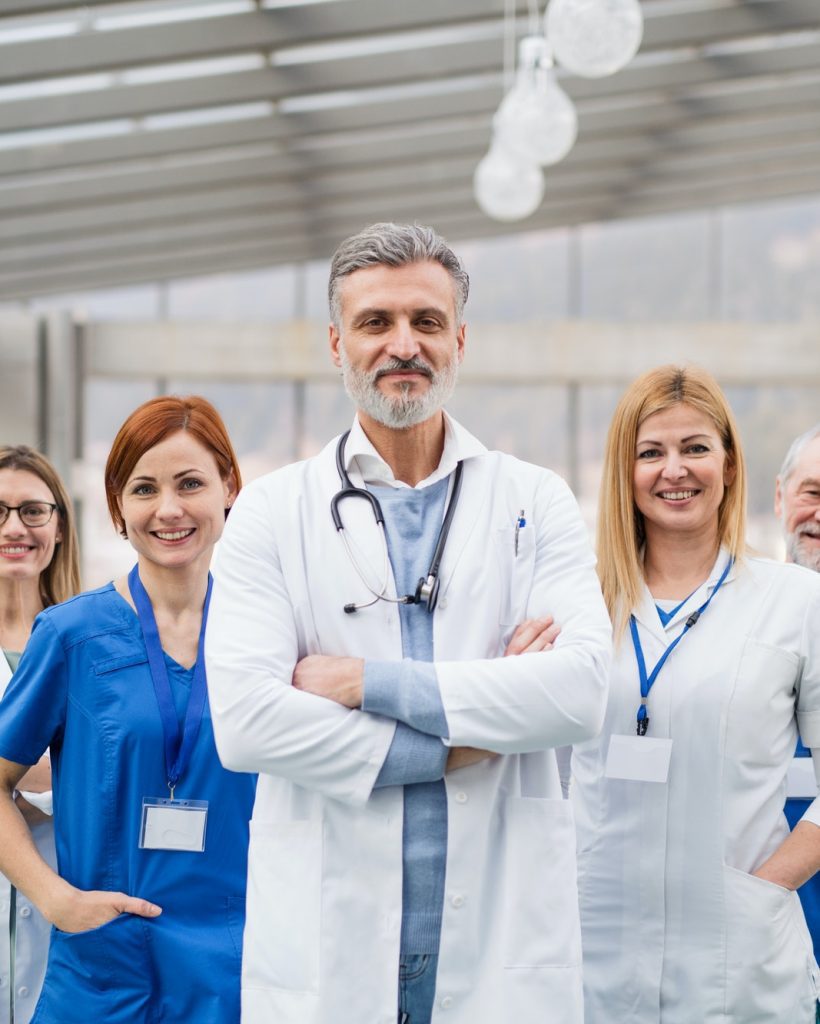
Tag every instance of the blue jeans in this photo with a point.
(417, 987)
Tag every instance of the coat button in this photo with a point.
(457, 900)
(22, 991)
(461, 797)
(442, 602)
(25, 911)
(446, 1002)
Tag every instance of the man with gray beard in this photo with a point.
(411, 857)
(797, 499)
(797, 505)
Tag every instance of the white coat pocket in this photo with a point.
(762, 705)
(540, 908)
(515, 571)
(283, 916)
(769, 963)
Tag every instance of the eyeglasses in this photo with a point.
(31, 513)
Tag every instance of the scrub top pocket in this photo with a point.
(103, 974)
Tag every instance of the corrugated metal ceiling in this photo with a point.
(143, 141)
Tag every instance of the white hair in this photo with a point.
(796, 450)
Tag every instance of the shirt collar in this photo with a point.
(647, 614)
(459, 444)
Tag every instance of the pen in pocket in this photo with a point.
(520, 523)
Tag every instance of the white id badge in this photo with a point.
(173, 824)
(638, 758)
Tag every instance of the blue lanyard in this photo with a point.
(647, 681)
(178, 749)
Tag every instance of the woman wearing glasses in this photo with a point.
(151, 830)
(39, 566)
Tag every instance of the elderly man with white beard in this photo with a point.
(411, 857)
(797, 499)
(797, 505)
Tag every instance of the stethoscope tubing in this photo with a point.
(428, 586)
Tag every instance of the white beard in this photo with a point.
(802, 555)
(405, 409)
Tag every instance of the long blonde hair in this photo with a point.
(620, 533)
(60, 580)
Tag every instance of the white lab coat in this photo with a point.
(325, 871)
(32, 928)
(675, 928)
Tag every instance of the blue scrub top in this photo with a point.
(83, 688)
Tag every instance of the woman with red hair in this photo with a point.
(151, 831)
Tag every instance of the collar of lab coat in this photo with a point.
(459, 444)
(647, 614)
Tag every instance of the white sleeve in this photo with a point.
(551, 699)
(812, 812)
(262, 724)
(808, 701)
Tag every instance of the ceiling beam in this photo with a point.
(432, 158)
(64, 210)
(24, 8)
(267, 30)
(457, 226)
(253, 32)
(599, 193)
(434, 64)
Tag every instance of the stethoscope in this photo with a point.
(428, 586)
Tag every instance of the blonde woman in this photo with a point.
(687, 868)
(39, 567)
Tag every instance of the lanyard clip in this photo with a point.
(643, 719)
(171, 788)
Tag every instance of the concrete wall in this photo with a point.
(19, 367)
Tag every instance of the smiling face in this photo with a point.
(398, 344)
(174, 503)
(680, 472)
(25, 551)
(797, 502)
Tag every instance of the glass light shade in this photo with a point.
(536, 120)
(594, 38)
(506, 187)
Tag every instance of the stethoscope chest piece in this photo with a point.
(427, 592)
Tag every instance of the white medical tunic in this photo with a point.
(675, 928)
